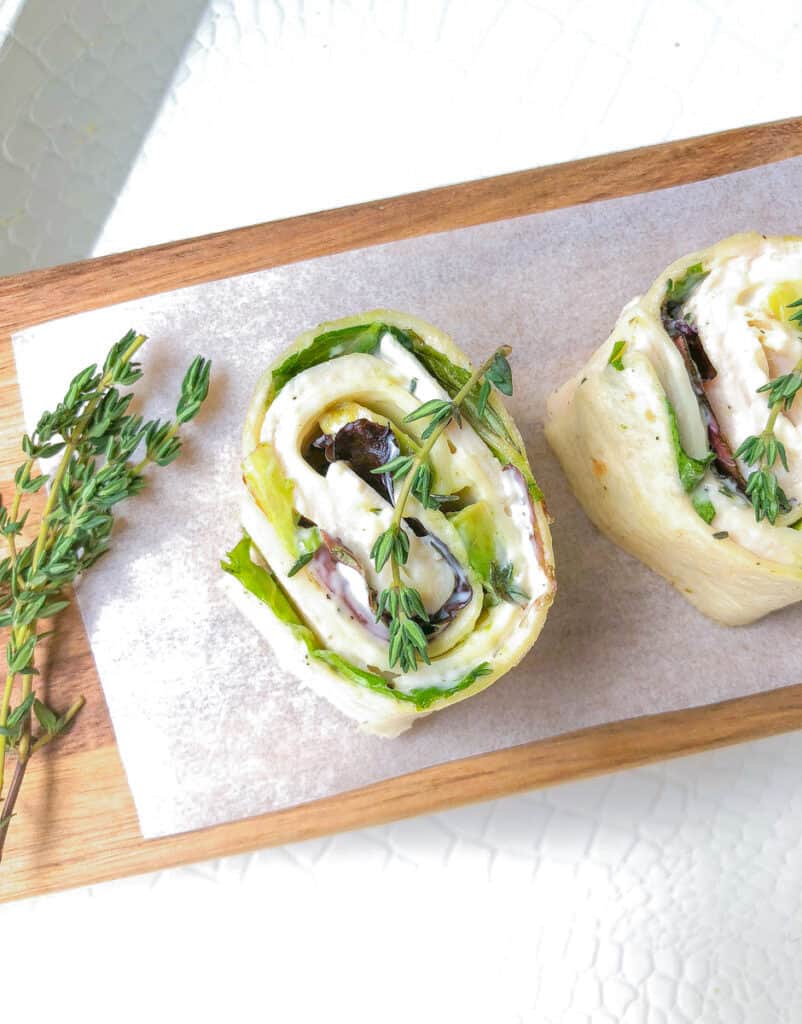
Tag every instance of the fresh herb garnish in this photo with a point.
(502, 587)
(768, 499)
(783, 389)
(437, 411)
(764, 449)
(96, 437)
(300, 562)
(397, 467)
(486, 421)
(499, 372)
(403, 604)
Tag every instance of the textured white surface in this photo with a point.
(668, 894)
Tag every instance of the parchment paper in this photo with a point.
(208, 729)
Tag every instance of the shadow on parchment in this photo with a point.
(78, 93)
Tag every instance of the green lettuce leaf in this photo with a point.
(474, 523)
(490, 427)
(425, 696)
(422, 697)
(273, 492)
(678, 291)
(704, 507)
(691, 471)
(361, 338)
(261, 582)
(365, 338)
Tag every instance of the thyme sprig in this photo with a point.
(401, 603)
(96, 437)
(501, 585)
(763, 450)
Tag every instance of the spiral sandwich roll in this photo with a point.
(396, 551)
(682, 435)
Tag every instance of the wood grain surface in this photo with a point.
(76, 822)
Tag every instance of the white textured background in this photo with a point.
(667, 894)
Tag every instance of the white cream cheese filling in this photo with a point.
(351, 511)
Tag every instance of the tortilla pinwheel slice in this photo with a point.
(396, 551)
(682, 435)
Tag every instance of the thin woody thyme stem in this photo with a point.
(21, 767)
(422, 455)
(403, 604)
(11, 801)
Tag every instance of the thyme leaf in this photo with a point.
(300, 562)
(502, 585)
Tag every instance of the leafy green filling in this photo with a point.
(365, 338)
(273, 493)
(704, 507)
(617, 356)
(261, 582)
(691, 471)
(475, 525)
(678, 291)
(345, 341)
(422, 697)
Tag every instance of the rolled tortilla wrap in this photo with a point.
(325, 416)
(654, 432)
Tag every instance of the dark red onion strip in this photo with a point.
(324, 566)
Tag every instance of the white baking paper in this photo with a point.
(208, 728)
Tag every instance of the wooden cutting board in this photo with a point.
(76, 822)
